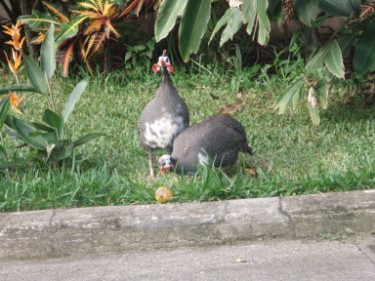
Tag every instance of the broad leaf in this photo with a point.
(234, 24)
(334, 61)
(36, 76)
(39, 20)
(87, 139)
(322, 93)
(17, 88)
(263, 23)
(55, 121)
(249, 14)
(193, 26)
(220, 23)
(337, 7)
(287, 95)
(364, 54)
(317, 60)
(48, 53)
(42, 127)
(69, 29)
(167, 16)
(307, 10)
(4, 109)
(314, 114)
(26, 132)
(73, 99)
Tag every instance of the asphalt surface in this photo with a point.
(306, 259)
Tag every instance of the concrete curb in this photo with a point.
(52, 233)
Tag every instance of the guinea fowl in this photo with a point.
(217, 139)
(164, 117)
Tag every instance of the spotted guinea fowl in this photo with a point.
(217, 139)
(164, 117)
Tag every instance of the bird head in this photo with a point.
(165, 163)
(163, 63)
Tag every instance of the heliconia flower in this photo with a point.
(15, 102)
(14, 31)
(16, 43)
(17, 61)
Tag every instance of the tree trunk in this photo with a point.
(26, 10)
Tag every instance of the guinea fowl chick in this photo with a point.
(164, 117)
(217, 139)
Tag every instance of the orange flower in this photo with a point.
(15, 32)
(17, 61)
(16, 43)
(15, 102)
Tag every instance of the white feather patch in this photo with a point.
(161, 132)
(203, 159)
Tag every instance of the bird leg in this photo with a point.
(150, 163)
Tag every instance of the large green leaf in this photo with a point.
(220, 23)
(249, 14)
(69, 29)
(364, 54)
(234, 24)
(87, 139)
(337, 7)
(48, 53)
(17, 88)
(314, 114)
(334, 61)
(26, 132)
(39, 20)
(193, 26)
(37, 78)
(263, 22)
(322, 90)
(55, 121)
(73, 99)
(288, 93)
(167, 16)
(306, 10)
(4, 109)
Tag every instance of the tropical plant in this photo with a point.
(49, 139)
(86, 30)
(195, 16)
(140, 54)
(324, 58)
(325, 63)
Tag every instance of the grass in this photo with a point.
(291, 155)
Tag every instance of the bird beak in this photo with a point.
(164, 169)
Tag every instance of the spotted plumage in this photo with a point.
(164, 117)
(216, 140)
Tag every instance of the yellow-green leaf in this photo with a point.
(48, 53)
(334, 61)
(167, 16)
(193, 26)
(37, 78)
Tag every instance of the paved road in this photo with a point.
(257, 260)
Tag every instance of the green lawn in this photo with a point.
(291, 155)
